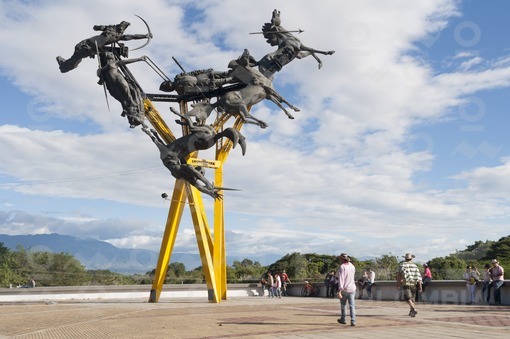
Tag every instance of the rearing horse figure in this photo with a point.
(289, 47)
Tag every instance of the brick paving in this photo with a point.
(245, 317)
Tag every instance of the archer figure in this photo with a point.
(110, 34)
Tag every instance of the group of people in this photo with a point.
(410, 281)
(492, 277)
(275, 284)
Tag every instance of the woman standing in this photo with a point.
(471, 276)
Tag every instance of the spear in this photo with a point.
(298, 31)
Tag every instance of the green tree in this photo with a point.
(385, 267)
(499, 250)
(106, 277)
(65, 270)
(447, 268)
(245, 270)
(176, 270)
(477, 251)
(8, 268)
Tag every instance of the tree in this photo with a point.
(386, 266)
(499, 250)
(106, 277)
(477, 251)
(245, 270)
(176, 270)
(294, 264)
(446, 268)
(65, 270)
(8, 268)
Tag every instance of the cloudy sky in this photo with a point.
(400, 145)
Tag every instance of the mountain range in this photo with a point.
(95, 254)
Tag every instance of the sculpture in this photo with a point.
(289, 47)
(110, 34)
(255, 88)
(245, 83)
(201, 137)
(121, 87)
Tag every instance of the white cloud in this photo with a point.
(338, 174)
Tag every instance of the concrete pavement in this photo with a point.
(245, 317)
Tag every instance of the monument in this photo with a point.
(243, 84)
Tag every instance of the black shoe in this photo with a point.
(413, 313)
(353, 323)
(340, 321)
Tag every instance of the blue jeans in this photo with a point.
(350, 297)
(368, 288)
(486, 287)
(497, 290)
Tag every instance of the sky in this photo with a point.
(400, 144)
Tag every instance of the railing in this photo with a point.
(439, 291)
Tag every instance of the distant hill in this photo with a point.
(95, 254)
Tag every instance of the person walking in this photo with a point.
(409, 279)
(498, 279)
(346, 289)
(471, 276)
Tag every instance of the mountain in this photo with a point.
(95, 254)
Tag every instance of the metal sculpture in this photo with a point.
(245, 83)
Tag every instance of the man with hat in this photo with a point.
(498, 278)
(346, 288)
(409, 278)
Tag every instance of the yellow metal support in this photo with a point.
(167, 244)
(212, 251)
(204, 242)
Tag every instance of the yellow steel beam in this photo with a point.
(167, 244)
(220, 253)
(204, 241)
(212, 251)
(152, 114)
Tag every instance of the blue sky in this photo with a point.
(400, 145)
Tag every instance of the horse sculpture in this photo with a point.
(289, 47)
(257, 88)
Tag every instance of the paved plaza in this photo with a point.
(246, 317)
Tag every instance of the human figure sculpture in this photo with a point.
(289, 47)
(201, 137)
(89, 47)
(122, 88)
(195, 82)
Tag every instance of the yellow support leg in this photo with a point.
(220, 260)
(212, 251)
(167, 244)
(204, 241)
